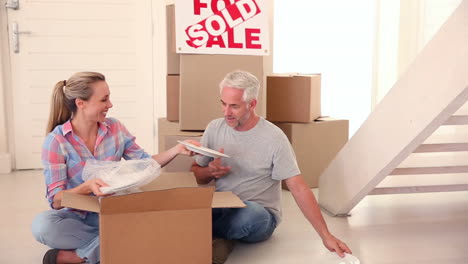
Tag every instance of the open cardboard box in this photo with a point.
(169, 222)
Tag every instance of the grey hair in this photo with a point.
(244, 81)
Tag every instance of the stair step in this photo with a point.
(420, 189)
(442, 147)
(430, 170)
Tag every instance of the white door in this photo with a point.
(65, 36)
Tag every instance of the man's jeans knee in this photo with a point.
(251, 224)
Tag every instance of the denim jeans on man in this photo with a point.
(249, 224)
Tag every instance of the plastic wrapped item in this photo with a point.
(123, 177)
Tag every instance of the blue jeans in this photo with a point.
(250, 224)
(62, 229)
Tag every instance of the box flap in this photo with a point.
(328, 118)
(169, 180)
(226, 200)
(81, 202)
(293, 74)
(172, 199)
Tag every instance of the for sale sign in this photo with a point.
(222, 26)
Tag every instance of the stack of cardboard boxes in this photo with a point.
(193, 92)
(169, 130)
(293, 104)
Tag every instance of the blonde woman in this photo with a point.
(78, 130)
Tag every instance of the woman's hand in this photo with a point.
(86, 188)
(94, 185)
(182, 149)
(167, 156)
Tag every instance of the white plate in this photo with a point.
(333, 258)
(350, 259)
(202, 150)
(121, 186)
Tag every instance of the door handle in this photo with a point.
(16, 33)
(12, 4)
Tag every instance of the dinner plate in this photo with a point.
(350, 259)
(333, 258)
(202, 150)
(121, 186)
(110, 189)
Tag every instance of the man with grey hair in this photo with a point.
(260, 158)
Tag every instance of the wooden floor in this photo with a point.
(427, 228)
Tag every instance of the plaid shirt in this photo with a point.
(64, 154)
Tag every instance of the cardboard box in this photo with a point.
(173, 58)
(172, 97)
(156, 226)
(168, 134)
(315, 145)
(180, 163)
(200, 76)
(293, 98)
(167, 128)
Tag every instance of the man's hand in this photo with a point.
(335, 245)
(216, 169)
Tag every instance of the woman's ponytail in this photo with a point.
(59, 112)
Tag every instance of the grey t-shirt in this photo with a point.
(259, 159)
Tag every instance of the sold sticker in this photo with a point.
(222, 26)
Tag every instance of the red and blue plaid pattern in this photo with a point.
(64, 154)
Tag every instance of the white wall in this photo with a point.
(360, 47)
(419, 20)
(334, 38)
(385, 48)
(159, 62)
(5, 141)
(435, 13)
(404, 28)
(3, 132)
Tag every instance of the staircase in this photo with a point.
(426, 98)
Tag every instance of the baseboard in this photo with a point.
(5, 163)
